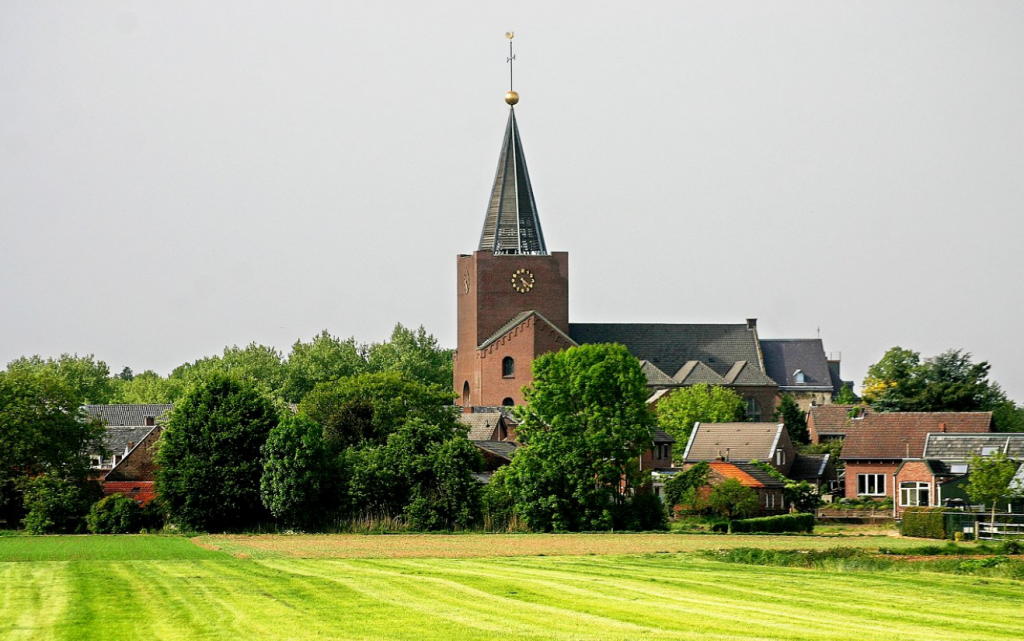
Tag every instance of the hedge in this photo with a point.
(781, 523)
(924, 522)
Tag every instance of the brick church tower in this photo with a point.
(513, 296)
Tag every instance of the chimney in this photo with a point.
(727, 453)
(150, 421)
(751, 323)
(942, 427)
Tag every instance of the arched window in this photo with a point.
(508, 402)
(465, 394)
(753, 411)
(508, 367)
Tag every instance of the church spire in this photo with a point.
(512, 225)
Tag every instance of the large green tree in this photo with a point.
(678, 411)
(950, 382)
(302, 481)
(324, 359)
(147, 387)
(413, 353)
(990, 481)
(730, 498)
(42, 431)
(583, 428)
(210, 460)
(89, 379)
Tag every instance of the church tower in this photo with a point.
(513, 296)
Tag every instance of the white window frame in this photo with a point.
(864, 481)
(913, 488)
(780, 456)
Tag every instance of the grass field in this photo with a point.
(149, 587)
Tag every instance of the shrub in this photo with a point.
(924, 522)
(57, 506)
(116, 514)
(780, 523)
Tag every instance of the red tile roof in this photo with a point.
(141, 491)
(830, 419)
(731, 471)
(899, 435)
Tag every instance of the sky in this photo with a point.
(176, 177)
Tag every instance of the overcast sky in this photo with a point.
(179, 176)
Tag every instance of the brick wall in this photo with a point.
(915, 471)
(853, 468)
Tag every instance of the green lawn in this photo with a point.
(168, 588)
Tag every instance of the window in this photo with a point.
(508, 402)
(799, 376)
(465, 394)
(913, 494)
(753, 412)
(871, 484)
(989, 451)
(508, 367)
(780, 457)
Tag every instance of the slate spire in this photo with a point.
(512, 225)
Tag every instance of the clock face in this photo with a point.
(523, 280)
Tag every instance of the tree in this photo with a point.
(684, 488)
(301, 483)
(794, 418)
(731, 498)
(990, 481)
(802, 496)
(55, 505)
(583, 428)
(116, 514)
(369, 407)
(415, 354)
(324, 359)
(846, 396)
(209, 459)
(42, 431)
(88, 378)
(147, 387)
(1008, 417)
(678, 411)
(950, 382)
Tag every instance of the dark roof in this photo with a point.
(654, 375)
(808, 466)
(961, 447)
(739, 441)
(831, 419)
(512, 225)
(670, 347)
(501, 449)
(121, 439)
(481, 424)
(747, 474)
(663, 437)
(695, 373)
(899, 435)
(784, 357)
(127, 414)
(746, 373)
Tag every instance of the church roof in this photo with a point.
(512, 225)
(671, 346)
(783, 358)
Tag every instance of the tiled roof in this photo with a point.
(830, 419)
(663, 437)
(121, 439)
(744, 373)
(783, 357)
(737, 441)
(747, 474)
(481, 424)
(695, 373)
(961, 447)
(127, 414)
(670, 346)
(502, 449)
(808, 467)
(141, 491)
(654, 375)
(899, 435)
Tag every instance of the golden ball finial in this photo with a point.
(512, 97)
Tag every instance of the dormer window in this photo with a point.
(799, 377)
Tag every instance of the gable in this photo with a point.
(734, 441)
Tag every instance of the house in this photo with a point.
(132, 434)
(938, 477)
(802, 370)
(832, 422)
(741, 443)
(879, 443)
(771, 498)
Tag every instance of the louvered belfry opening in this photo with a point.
(512, 225)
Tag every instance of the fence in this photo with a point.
(978, 525)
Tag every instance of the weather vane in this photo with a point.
(511, 97)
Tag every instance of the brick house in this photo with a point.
(741, 443)
(879, 443)
(132, 435)
(771, 498)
